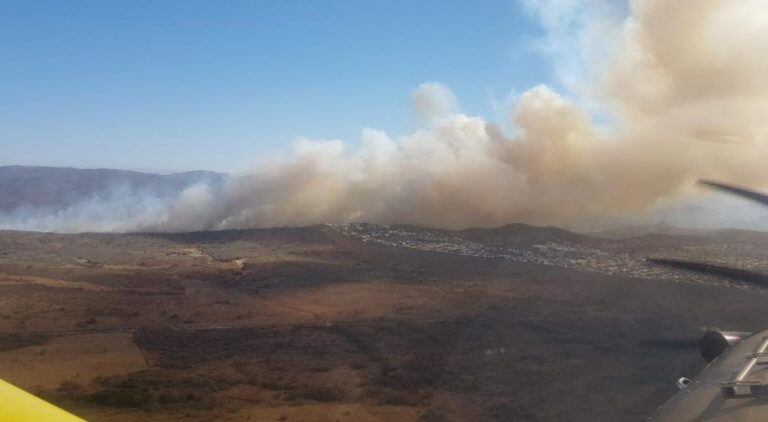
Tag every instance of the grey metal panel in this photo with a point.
(702, 399)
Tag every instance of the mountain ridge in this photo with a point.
(59, 187)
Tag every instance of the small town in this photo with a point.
(631, 257)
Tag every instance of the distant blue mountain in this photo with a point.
(60, 187)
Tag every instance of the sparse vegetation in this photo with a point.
(11, 341)
(482, 334)
(317, 393)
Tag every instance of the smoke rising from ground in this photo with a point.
(678, 90)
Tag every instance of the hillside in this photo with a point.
(59, 187)
(366, 322)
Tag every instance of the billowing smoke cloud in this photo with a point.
(119, 209)
(432, 102)
(678, 90)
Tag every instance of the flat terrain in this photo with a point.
(363, 322)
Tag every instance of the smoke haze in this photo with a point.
(678, 91)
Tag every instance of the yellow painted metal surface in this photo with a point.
(16, 405)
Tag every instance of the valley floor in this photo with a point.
(363, 322)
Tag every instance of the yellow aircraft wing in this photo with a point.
(16, 405)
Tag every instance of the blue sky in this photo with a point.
(181, 85)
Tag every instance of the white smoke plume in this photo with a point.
(120, 209)
(679, 89)
(432, 102)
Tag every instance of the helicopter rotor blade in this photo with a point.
(744, 193)
(733, 274)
